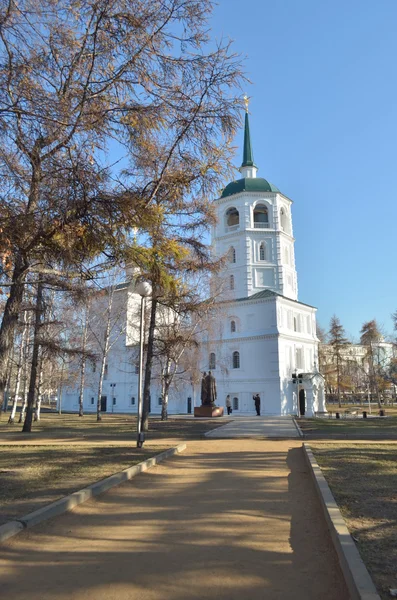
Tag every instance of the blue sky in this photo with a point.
(324, 131)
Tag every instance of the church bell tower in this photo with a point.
(254, 231)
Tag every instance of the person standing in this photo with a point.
(257, 400)
(228, 405)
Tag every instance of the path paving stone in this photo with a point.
(256, 427)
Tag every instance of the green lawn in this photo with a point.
(120, 427)
(385, 427)
(32, 476)
(363, 479)
(65, 453)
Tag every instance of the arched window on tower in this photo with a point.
(261, 217)
(232, 254)
(212, 362)
(284, 222)
(262, 251)
(233, 326)
(232, 282)
(232, 219)
(236, 360)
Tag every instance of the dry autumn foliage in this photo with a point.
(113, 115)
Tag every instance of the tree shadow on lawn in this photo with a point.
(120, 427)
(363, 479)
(376, 428)
(33, 476)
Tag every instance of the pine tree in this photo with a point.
(370, 337)
(337, 339)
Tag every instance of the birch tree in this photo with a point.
(106, 323)
(20, 367)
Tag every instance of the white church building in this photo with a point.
(265, 340)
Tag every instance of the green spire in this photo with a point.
(248, 155)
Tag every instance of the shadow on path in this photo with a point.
(225, 521)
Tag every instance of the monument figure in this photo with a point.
(211, 389)
(208, 407)
(204, 393)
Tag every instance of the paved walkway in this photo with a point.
(256, 427)
(225, 520)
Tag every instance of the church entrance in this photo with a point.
(302, 403)
(103, 403)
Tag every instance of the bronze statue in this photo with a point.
(208, 389)
(211, 389)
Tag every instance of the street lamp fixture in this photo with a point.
(144, 289)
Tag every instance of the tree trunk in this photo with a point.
(20, 368)
(164, 403)
(83, 365)
(7, 395)
(166, 383)
(100, 386)
(104, 357)
(39, 394)
(10, 319)
(27, 426)
(148, 366)
(60, 389)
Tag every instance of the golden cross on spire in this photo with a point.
(246, 102)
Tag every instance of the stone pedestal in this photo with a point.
(208, 411)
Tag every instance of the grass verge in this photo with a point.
(115, 427)
(376, 427)
(363, 479)
(33, 476)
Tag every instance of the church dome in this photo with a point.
(248, 184)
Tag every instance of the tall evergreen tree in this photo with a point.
(370, 337)
(337, 339)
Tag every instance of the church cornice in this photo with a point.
(257, 232)
(235, 340)
(228, 199)
(292, 338)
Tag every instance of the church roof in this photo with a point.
(248, 184)
(248, 155)
(270, 294)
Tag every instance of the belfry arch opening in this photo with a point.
(284, 220)
(261, 217)
(232, 217)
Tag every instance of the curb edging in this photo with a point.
(355, 573)
(299, 430)
(68, 502)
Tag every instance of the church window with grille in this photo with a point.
(232, 254)
(233, 326)
(236, 360)
(212, 362)
(262, 251)
(235, 403)
(232, 282)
